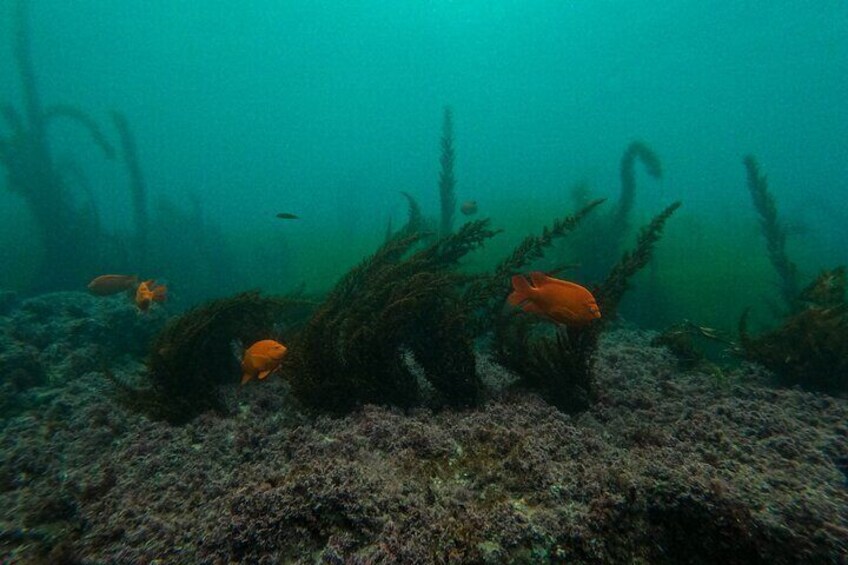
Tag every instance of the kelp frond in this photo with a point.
(559, 366)
(773, 231)
(192, 357)
(415, 221)
(617, 282)
(533, 247)
(352, 350)
(489, 291)
(810, 349)
(636, 151)
(67, 112)
(447, 180)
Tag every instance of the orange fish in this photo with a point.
(106, 285)
(558, 300)
(149, 292)
(468, 208)
(261, 359)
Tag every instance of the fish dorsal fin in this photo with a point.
(540, 279)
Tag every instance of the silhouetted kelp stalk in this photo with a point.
(69, 235)
(192, 357)
(602, 239)
(352, 350)
(447, 180)
(416, 222)
(560, 367)
(774, 233)
(138, 189)
(810, 349)
(636, 151)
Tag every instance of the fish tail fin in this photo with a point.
(521, 290)
(246, 377)
(160, 293)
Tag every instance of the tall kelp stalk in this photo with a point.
(810, 349)
(70, 235)
(560, 367)
(352, 350)
(636, 151)
(447, 180)
(193, 356)
(601, 241)
(138, 190)
(774, 233)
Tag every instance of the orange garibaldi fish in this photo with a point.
(106, 285)
(561, 301)
(148, 292)
(261, 359)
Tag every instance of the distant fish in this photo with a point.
(149, 292)
(261, 359)
(106, 285)
(560, 301)
(468, 208)
(287, 216)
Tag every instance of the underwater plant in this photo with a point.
(810, 348)
(352, 350)
(416, 222)
(559, 366)
(192, 357)
(66, 229)
(601, 241)
(617, 282)
(488, 292)
(774, 233)
(138, 190)
(636, 151)
(447, 180)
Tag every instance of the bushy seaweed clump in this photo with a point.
(810, 349)
(193, 356)
(352, 350)
(559, 366)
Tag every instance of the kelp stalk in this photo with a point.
(774, 233)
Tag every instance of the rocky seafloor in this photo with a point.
(668, 467)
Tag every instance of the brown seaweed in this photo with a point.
(558, 363)
(351, 351)
(773, 231)
(192, 357)
(810, 348)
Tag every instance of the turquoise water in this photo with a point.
(328, 109)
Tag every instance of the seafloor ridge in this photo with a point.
(668, 466)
